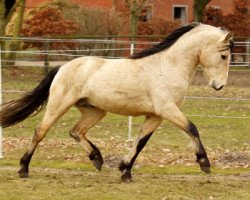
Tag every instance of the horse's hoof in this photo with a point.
(205, 169)
(204, 164)
(98, 162)
(23, 174)
(126, 177)
(96, 157)
(23, 171)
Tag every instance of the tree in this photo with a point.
(142, 22)
(199, 6)
(14, 45)
(95, 22)
(6, 10)
(132, 8)
(90, 22)
(237, 22)
(48, 22)
(157, 27)
(212, 16)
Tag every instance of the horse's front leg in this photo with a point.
(149, 126)
(175, 116)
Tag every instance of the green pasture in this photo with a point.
(165, 169)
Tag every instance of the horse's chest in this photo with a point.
(178, 95)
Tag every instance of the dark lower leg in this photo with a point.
(201, 154)
(125, 167)
(95, 156)
(24, 162)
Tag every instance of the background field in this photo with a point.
(165, 169)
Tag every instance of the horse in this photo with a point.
(151, 83)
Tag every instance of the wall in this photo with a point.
(161, 8)
(105, 4)
(164, 8)
(225, 5)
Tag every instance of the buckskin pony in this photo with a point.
(152, 83)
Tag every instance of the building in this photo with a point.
(163, 9)
(105, 4)
(183, 9)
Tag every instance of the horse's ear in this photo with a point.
(226, 38)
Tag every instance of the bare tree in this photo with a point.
(14, 45)
(134, 7)
(91, 22)
(199, 6)
(6, 10)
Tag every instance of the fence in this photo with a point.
(1, 130)
(58, 51)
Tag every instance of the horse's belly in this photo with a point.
(123, 104)
(127, 110)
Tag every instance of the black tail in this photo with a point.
(16, 111)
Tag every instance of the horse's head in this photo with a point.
(215, 58)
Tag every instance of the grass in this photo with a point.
(80, 184)
(164, 170)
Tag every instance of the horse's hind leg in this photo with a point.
(89, 117)
(54, 110)
(149, 126)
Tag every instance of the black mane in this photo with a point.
(166, 43)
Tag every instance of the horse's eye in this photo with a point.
(223, 57)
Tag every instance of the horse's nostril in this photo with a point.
(218, 88)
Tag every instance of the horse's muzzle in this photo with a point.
(215, 85)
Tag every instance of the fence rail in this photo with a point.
(102, 47)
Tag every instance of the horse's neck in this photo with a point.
(183, 56)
